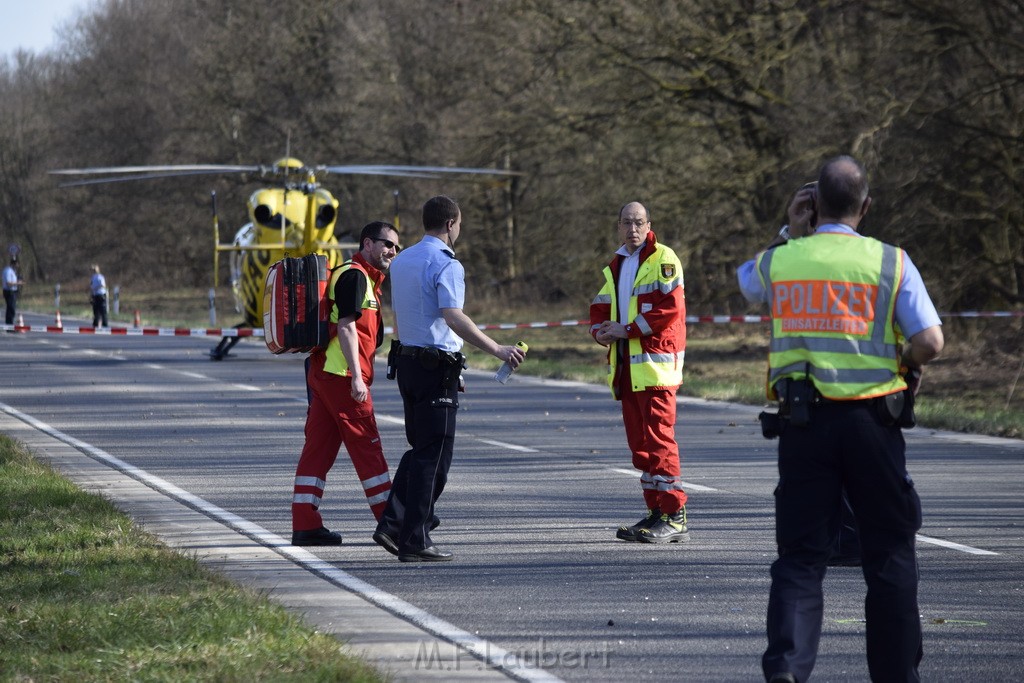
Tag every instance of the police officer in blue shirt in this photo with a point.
(11, 284)
(839, 423)
(428, 294)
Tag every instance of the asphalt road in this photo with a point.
(540, 481)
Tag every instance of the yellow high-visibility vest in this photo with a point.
(335, 362)
(650, 366)
(832, 299)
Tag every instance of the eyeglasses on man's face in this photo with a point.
(633, 223)
(387, 243)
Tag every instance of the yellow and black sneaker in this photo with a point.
(629, 533)
(668, 529)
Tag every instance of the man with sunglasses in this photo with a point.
(338, 383)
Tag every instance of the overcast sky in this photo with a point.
(30, 24)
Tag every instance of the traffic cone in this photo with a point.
(57, 322)
(138, 318)
(21, 320)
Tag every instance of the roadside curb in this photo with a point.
(399, 649)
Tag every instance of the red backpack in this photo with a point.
(296, 307)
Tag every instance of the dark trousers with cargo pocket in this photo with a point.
(431, 403)
(846, 445)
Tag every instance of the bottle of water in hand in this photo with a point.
(505, 371)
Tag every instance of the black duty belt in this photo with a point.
(790, 387)
(428, 352)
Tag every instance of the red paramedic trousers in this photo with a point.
(334, 418)
(650, 420)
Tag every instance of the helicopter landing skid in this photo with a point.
(225, 345)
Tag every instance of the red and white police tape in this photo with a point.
(257, 332)
(139, 331)
(736, 319)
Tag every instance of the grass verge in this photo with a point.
(88, 596)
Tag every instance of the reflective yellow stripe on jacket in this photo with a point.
(834, 322)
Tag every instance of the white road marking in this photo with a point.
(199, 375)
(94, 352)
(510, 446)
(954, 546)
(500, 659)
(982, 439)
(685, 484)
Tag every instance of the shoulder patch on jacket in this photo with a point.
(668, 270)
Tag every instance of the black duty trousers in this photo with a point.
(99, 310)
(845, 446)
(11, 301)
(430, 410)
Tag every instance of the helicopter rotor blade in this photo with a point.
(187, 169)
(123, 179)
(148, 172)
(366, 170)
(132, 173)
(413, 171)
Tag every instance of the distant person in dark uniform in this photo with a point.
(98, 297)
(852, 326)
(12, 285)
(428, 294)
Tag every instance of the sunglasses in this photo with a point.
(387, 243)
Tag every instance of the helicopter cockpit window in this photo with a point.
(263, 216)
(325, 215)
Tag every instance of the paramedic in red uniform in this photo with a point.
(640, 315)
(338, 381)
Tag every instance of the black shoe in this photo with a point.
(668, 529)
(431, 554)
(319, 536)
(385, 541)
(629, 533)
(782, 677)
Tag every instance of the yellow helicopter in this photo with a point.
(294, 218)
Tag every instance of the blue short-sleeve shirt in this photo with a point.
(425, 278)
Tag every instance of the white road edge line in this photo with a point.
(487, 652)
